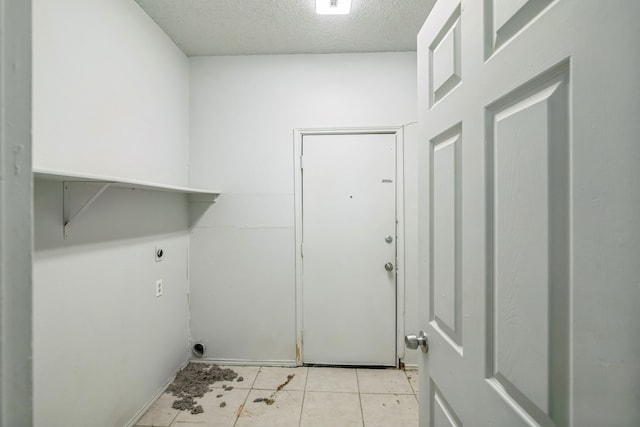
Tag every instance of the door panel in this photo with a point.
(446, 295)
(505, 18)
(528, 213)
(445, 70)
(527, 245)
(349, 299)
(441, 412)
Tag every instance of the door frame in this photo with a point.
(16, 228)
(298, 135)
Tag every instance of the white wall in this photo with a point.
(104, 345)
(110, 92)
(243, 112)
(110, 96)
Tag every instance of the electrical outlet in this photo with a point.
(159, 253)
(158, 288)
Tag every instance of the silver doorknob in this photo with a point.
(413, 342)
(388, 266)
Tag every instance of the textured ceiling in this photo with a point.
(256, 27)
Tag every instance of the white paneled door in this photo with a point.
(529, 207)
(349, 249)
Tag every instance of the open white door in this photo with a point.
(530, 208)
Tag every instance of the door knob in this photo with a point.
(388, 266)
(413, 342)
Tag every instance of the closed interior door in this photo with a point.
(349, 223)
(529, 240)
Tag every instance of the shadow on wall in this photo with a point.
(118, 214)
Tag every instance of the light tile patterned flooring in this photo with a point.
(314, 397)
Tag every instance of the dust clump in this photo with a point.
(240, 379)
(223, 404)
(194, 381)
(184, 403)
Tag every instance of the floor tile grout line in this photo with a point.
(256, 377)
(304, 394)
(389, 392)
(174, 417)
(247, 396)
(410, 385)
(360, 397)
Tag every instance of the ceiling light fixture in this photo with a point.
(333, 7)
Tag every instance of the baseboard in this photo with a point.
(245, 362)
(155, 397)
(410, 367)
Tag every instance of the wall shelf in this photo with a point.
(76, 203)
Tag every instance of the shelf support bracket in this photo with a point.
(69, 218)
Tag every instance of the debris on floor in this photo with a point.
(266, 400)
(194, 381)
(284, 384)
(184, 403)
(271, 399)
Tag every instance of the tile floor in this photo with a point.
(314, 397)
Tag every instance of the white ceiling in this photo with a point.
(257, 27)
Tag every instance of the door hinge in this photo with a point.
(301, 162)
(302, 250)
(302, 337)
